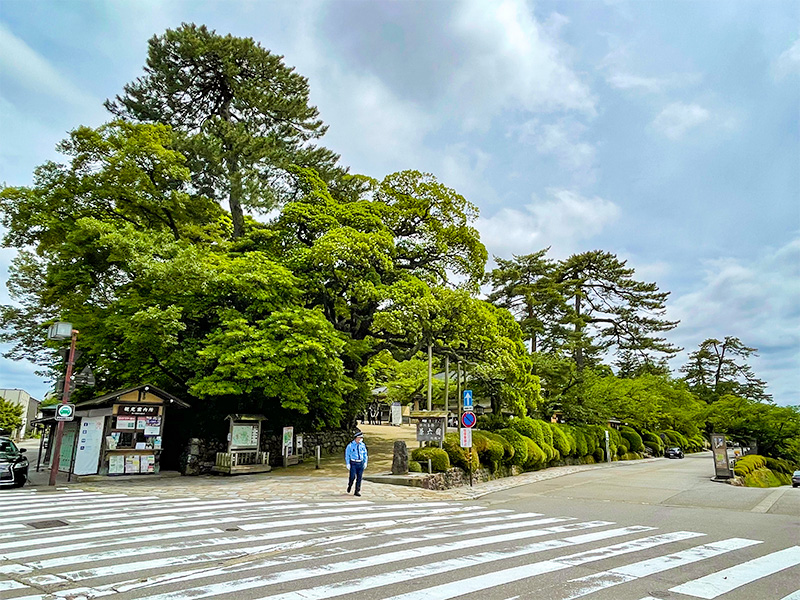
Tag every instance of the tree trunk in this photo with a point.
(235, 200)
(578, 328)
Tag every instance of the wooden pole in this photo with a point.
(430, 376)
(446, 390)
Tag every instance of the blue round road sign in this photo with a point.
(468, 419)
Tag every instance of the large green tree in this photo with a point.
(719, 367)
(612, 311)
(243, 116)
(526, 286)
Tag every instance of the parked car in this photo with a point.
(795, 478)
(13, 464)
(673, 453)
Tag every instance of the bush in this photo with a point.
(652, 441)
(529, 428)
(550, 453)
(748, 464)
(490, 452)
(634, 439)
(492, 422)
(520, 447)
(440, 461)
(459, 457)
(599, 455)
(560, 441)
(414, 467)
(508, 447)
(581, 447)
(547, 433)
(536, 456)
(779, 465)
(675, 439)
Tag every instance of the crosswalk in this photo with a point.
(73, 545)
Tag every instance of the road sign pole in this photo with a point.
(54, 454)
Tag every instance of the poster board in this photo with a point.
(90, 441)
(244, 435)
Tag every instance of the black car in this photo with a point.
(673, 453)
(13, 464)
(795, 478)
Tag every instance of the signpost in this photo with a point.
(62, 331)
(467, 400)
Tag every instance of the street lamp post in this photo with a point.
(59, 332)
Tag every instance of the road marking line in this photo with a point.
(382, 559)
(792, 596)
(118, 569)
(605, 579)
(726, 580)
(489, 580)
(769, 501)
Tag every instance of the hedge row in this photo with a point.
(748, 464)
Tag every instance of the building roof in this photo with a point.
(107, 399)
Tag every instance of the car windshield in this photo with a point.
(796, 474)
(8, 450)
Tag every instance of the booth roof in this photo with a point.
(241, 417)
(107, 399)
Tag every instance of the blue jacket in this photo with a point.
(356, 451)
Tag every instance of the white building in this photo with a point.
(30, 408)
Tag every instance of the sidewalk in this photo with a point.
(305, 482)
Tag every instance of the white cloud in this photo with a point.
(516, 62)
(757, 301)
(28, 69)
(562, 139)
(560, 222)
(628, 81)
(678, 118)
(788, 61)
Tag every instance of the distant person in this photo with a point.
(355, 459)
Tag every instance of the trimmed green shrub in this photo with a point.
(492, 422)
(536, 456)
(560, 440)
(634, 439)
(581, 447)
(779, 465)
(599, 455)
(764, 478)
(528, 427)
(489, 450)
(440, 461)
(508, 447)
(459, 457)
(551, 453)
(520, 447)
(748, 464)
(547, 433)
(652, 441)
(414, 467)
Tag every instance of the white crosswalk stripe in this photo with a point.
(189, 548)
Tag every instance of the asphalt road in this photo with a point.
(640, 531)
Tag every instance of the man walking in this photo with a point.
(355, 458)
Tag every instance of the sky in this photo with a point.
(665, 132)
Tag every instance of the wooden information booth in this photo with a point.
(121, 433)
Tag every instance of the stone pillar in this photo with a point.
(400, 458)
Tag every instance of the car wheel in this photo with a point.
(20, 481)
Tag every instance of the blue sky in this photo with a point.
(665, 132)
